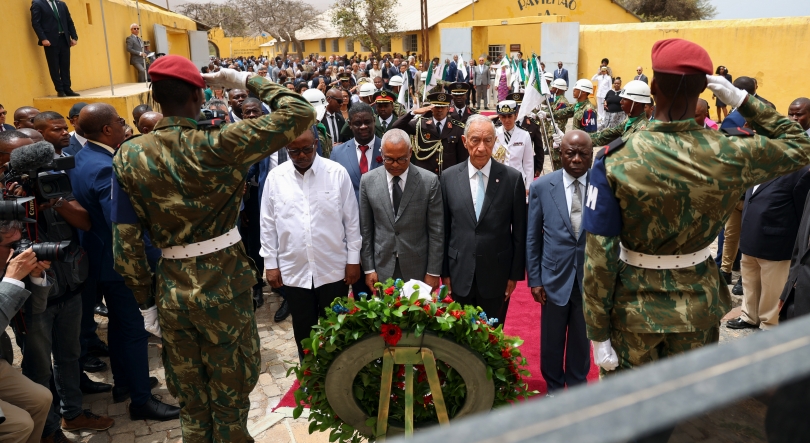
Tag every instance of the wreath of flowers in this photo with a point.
(399, 307)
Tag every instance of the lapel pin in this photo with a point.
(497, 180)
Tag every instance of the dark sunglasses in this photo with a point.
(297, 152)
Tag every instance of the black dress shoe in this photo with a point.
(737, 289)
(70, 93)
(121, 393)
(282, 313)
(739, 323)
(99, 349)
(92, 387)
(60, 94)
(726, 277)
(154, 409)
(101, 310)
(93, 364)
(258, 298)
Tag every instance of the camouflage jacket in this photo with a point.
(668, 191)
(583, 114)
(184, 185)
(624, 131)
(560, 102)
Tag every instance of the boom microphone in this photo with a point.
(32, 157)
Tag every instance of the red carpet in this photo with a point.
(522, 320)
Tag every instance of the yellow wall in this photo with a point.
(761, 48)
(25, 74)
(237, 46)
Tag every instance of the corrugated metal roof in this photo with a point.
(407, 10)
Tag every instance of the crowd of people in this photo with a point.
(317, 178)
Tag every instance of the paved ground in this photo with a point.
(741, 422)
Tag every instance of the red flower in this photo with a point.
(354, 310)
(400, 385)
(391, 334)
(416, 303)
(456, 314)
(307, 373)
(493, 339)
(306, 351)
(389, 290)
(506, 353)
(428, 399)
(397, 304)
(427, 309)
(421, 377)
(447, 300)
(401, 371)
(379, 159)
(439, 312)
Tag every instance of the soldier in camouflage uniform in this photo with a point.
(582, 112)
(658, 200)
(184, 186)
(634, 96)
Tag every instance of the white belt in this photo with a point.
(648, 261)
(226, 240)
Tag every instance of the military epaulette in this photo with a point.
(458, 123)
(614, 146)
(209, 124)
(737, 132)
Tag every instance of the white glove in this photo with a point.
(555, 145)
(725, 91)
(604, 356)
(150, 321)
(557, 137)
(227, 78)
(531, 115)
(540, 115)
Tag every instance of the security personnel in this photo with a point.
(459, 91)
(531, 125)
(657, 200)
(436, 133)
(513, 146)
(184, 185)
(634, 96)
(583, 113)
(366, 91)
(558, 88)
(395, 83)
(383, 108)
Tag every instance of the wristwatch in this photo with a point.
(59, 203)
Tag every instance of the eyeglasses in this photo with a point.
(136, 29)
(338, 100)
(399, 161)
(120, 121)
(297, 152)
(3, 113)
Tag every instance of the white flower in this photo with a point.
(421, 287)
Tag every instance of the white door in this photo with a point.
(161, 43)
(560, 42)
(456, 41)
(198, 41)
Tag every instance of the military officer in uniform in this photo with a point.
(655, 203)
(634, 96)
(459, 91)
(513, 146)
(183, 183)
(530, 124)
(437, 135)
(384, 112)
(582, 112)
(395, 83)
(558, 89)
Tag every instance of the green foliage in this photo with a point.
(229, 18)
(349, 320)
(371, 22)
(671, 10)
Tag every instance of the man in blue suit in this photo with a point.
(359, 155)
(555, 256)
(77, 139)
(92, 181)
(561, 72)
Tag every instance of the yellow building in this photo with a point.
(230, 47)
(25, 77)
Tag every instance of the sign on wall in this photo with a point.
(564, 5)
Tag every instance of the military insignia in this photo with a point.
(500, 154)
(441, 97)
(449, 125)
(427, 136)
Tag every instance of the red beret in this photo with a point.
(677, 56)
(175, 66)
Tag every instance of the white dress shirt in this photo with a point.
(369, 151)
(387, 122)
(474, 178)
(442, 121)
(299, 233)
(568, 179)
(603, 82)
(519, 152)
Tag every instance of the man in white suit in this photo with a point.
(513, 146)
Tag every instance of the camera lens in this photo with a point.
(51, 251)
(12, 210)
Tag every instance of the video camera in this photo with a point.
(41, 177)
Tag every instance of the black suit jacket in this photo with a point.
(771, 217)
(7, 127)
(796, 293)
(493, 249)
(342, 138)
(45, 24)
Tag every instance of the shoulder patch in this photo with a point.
(612, 147)
(458, 123)
(737, 132)
(601, 214)
(210, 124)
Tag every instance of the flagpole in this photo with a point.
(143, 50)
(107, 45)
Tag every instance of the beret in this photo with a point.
(677, 56)
(175, 66)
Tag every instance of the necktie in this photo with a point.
(56, 13)
(384, 126)
(333, 127)
(507, 135)
(363, 159)
(396, 194)
(479, 196)
(576, 209)
(439, 127)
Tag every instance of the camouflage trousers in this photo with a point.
(636, 349)
(212, 361)
(556, 160)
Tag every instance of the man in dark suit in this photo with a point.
(77, 139)
(484, 225)
(333, 119)
(3, 126)
(401, 217)
(54, 27)
(561, 72)
(555, 257)
(770, 224)
(640, 76)
(92, 181)
(137, 51)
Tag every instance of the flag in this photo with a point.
(403, 92)
(533, 96)
(429, 81)
(461, 67)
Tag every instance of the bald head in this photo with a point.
(102, 124)
(148, 121)
(576, 152)
(24, 117)
(33, 134)
(9, 141)
(799, 111)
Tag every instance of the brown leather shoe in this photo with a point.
(88, 420)
(56, 437)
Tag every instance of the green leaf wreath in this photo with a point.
(388, 314)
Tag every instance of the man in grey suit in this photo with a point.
(484, 224)
(481, 82)
(401, 218)
(555, 256)
(136, 51)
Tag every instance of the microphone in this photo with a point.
(32, 157)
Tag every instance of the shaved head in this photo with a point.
(33, 134)
(24, 117)
(576, 152)
(799, 112)
(95, 116)
(148, 121)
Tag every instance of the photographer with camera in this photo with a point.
(38, 170)
(92, 180)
